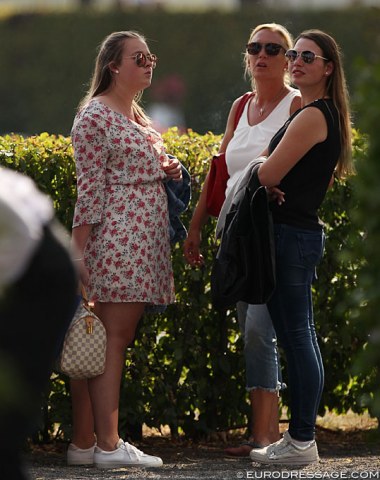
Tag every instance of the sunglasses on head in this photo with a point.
(141, 59)
(306, 56)
(271, 49)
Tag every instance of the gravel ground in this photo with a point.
(353, 455)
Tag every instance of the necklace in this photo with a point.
(262, 109)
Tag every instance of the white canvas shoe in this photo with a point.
(80, 456)
(125, 455)
(286, 452)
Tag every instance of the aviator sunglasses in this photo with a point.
(306, 56)
(141, 59)
(271, 49)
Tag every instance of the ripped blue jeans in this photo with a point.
(298, 252)
(262, 365)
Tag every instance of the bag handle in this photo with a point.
(85, 297)
(240, 108)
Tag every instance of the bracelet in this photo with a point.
(78, 259)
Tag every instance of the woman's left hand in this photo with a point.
(276, 195)
(172, 168)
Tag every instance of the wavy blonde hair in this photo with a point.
(287, 44)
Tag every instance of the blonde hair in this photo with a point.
(337, 90)
(111, 51)
(287, 44)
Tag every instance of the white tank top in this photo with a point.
(249, 141)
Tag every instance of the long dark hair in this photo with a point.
(336, 89)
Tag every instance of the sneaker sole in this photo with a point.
(295, 462)
(126, 465)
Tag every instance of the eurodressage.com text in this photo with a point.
(272, 474)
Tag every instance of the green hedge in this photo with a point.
(365, 302)
(46, 60)
(184, 361)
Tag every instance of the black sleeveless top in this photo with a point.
(305, 185)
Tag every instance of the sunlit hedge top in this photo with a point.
(48, 159)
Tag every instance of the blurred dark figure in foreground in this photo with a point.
(37, 299)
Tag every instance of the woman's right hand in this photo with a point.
(84, 275)
(82, 271)
(172, 168)
(79, 238)
(191, 248)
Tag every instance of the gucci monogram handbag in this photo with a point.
(83, 353)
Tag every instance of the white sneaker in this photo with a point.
(125, 455)
(80, 456)
(286, 452)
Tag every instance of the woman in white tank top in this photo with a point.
(272, 102)
(249, 141)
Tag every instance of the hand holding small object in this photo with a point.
(172, 168)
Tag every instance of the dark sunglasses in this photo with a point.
(141, 59)
(271, 49)
(306, 56)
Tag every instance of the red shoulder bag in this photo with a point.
(218, 175)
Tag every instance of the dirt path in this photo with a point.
(353, 455)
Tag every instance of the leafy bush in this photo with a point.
(184, 361)
(340, 334)
(48, 160)
(365, 301)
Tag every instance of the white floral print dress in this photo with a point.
(120, 192)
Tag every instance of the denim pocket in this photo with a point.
(310, 246)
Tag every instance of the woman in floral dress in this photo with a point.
(121, 234)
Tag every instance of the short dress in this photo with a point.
(120, 192)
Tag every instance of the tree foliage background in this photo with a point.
(47, 59)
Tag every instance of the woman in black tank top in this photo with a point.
(302, 158)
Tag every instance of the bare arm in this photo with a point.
(80, 236)
(305, 131)
(296, 105)
(200, 216)
(79, 239)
